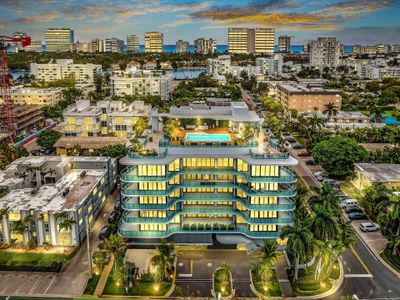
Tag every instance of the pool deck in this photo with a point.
(182, 133)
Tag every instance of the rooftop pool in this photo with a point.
(208, 137)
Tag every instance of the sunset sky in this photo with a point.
(352, 22)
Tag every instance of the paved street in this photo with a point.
(73, 276)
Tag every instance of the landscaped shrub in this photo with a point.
(147, 277)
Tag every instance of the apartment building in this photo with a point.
(98, 45)
(264, 40)
(44, 191)
(325, 52)
(134, 82)
(201, 181)
(132, 42)
(65, 68)
(221, 65)
(306, 99)
(205, 46)
(35, 96)
(84, 120)
(113, 45)
(284, 44)
(270, 65)
(182, 46)
(59, 39)
(250, 40)
(27, 118)
(366, 174)
(153, 42)
(376, 72)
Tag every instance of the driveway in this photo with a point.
(197, 266)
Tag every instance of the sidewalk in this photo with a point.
(103, 278)
(281, 266)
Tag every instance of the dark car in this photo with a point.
(48, 151)
(310, 162)
(303, 153)
(36, 152)
(113, 217)
(290, 139)
(297, 146)
(104, 232)
(357, 216)
(353, 209)
(118, 204)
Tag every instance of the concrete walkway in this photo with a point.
(103, 278)
(281, 266)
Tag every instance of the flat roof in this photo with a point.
(94, 142)
(298, 89)
(380, 172)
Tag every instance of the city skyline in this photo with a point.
(349, 21)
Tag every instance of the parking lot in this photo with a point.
(27, 283)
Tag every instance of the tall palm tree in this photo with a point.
(64, 222)
(395, 216)
(314, 122)
(115, 244)
(325, 194)
(299, 244)
(165, 257)
(268, 251)
(376, 113)
(330, 110)
(323, 224)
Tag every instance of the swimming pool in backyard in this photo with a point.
(208, 137)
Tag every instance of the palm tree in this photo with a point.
(376, 113)
(323, 224)
(330, 110)
(64, 222)
(325, 194)
(395, 216)
(314, 123)
(268, 251)
(165, 257)
(115, 244)
(301, 194)
(299, 244)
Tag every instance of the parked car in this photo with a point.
(117, 204)
(348, 203)
(331, 182)
(310, 162)
(303, 153)
(113, 217)
(352, 209)
(320, 174)
(36, 152)
(48, 151)
(321, 177)
(297, 146)
(369, 227)
(104, 232)
(290, 139)
(357, 216)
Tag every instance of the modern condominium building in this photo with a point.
(83, 120)
(59, 39)
(35, 46)
(270, 65)
(325, 52)
(98, 45)
(207, 177)
(113, 45)
(133, 82)
(264, 40)
(153, 42)
(47, 190)
(182, 46)
(205, 46)
(65, 68)
(284, 44)
(132, 42)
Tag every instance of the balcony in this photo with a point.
(148, 154)
(126, 205)
(286, 175)
(127, 190)
(209, 211)
(175, 229)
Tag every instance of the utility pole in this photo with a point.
(88, 246)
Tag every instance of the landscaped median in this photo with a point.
(265, 289)
(222, 282)
(38, 260)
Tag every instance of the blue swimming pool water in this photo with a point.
(208, 137)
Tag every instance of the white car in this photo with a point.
(369, 227)
(319, 174)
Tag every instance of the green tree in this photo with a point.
(48, 138)
(116, 151)
(323, 224)
(170, 126)
(299, 244)
(115, 245)
(65, 222)
(165, 257)
(141, 125)
(337, 156)
(330, 110)
(314, 122)
(268, 251)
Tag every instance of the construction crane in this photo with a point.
(5, 94)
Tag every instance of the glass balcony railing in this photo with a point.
(127, 190)
(280, 155)
(208, 211)
(289, 176)
(177, 229)
(126, 205)
(164, 143)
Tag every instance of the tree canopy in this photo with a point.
(48, 138)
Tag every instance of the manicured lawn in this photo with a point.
(138, 289)
(350, 190)
(32, 258)
(222, 283)
(393, 261)
(306, 285)
(91, 285)
(273, 286)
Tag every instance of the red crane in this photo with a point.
(5, 94)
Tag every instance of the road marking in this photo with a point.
(359, 259)
(345, 262)
(283, 280)
(21, 285)
(10, 278)
(349, 269)
(390, 291)
(36, 284)
(51, 283)
(358, 275)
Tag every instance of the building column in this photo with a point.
(6, 229)
(74, 232)
(53, 229)
(40, 232)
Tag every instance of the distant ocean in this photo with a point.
(224, 48)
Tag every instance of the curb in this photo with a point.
(259, 295)
(213, 288)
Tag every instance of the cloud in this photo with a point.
(368, 35)
(38, 18)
